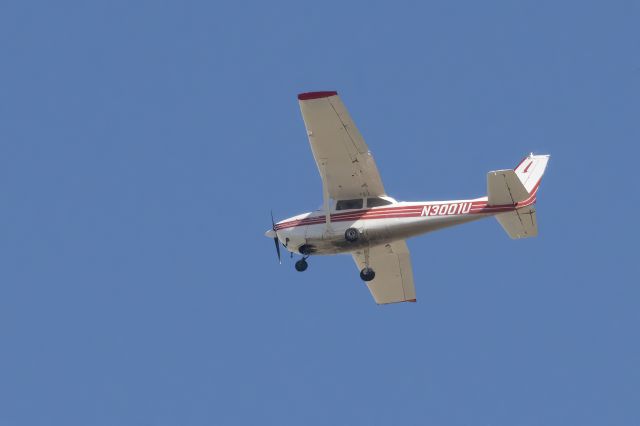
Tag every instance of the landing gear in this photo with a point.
(305, 250)
(351, 235)
(302, 265)
(367, 274)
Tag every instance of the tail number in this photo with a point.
(446, 209)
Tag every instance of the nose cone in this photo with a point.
(270, 233)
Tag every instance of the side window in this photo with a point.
(349, 204)
(377, 202)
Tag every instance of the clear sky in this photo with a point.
(143, 143)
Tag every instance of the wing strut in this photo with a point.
(325, 193)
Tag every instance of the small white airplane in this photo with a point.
(359, 218)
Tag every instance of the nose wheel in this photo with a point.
(302, 265)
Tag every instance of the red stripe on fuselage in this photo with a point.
(477, 207)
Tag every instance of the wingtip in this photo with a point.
(397, 301)
(316, 95)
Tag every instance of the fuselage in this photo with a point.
(318, 233)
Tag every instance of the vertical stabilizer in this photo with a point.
(530, 170)
(518, 188)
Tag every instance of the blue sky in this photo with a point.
(142, 145)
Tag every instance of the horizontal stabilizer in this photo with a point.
(504, 187)
(519, 223)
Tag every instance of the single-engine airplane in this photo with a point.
(359, 218)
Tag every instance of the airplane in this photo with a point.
(359, 218)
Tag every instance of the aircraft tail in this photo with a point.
(517, 187)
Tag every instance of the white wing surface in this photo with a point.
(346, 166)
(393, 282)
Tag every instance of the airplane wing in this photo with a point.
(346, 166)
(394, 276)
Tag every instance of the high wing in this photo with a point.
(346, 166)
(393, 282)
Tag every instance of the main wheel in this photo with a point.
(301, 265)
(351, 235)
(367, 274)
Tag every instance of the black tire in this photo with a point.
(301, 265)
(351, 235)
(367, 274)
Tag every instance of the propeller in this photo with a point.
(275, 239)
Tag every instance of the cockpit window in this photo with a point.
(377, 202)
(349, 204)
